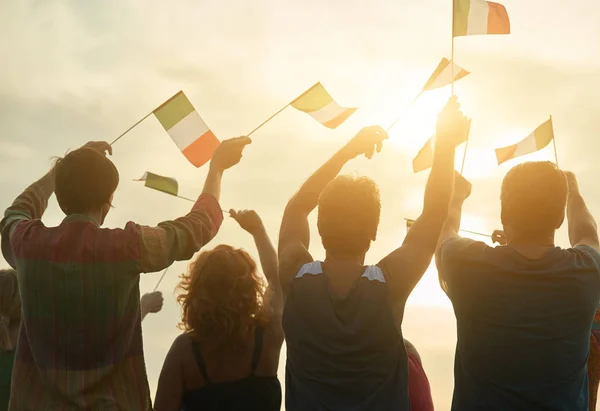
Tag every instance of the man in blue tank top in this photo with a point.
(524, 310)
(344, 348)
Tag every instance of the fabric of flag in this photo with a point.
(189, 132)
(165, 184)
(442, 76)
(424, 158)
(540, 138)
(472, 17)
(317, 102)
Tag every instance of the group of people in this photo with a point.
(70, 311)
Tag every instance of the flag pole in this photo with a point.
(269, 119)
(160, 280)
(554, 142)
(402, 112)
(131, 128)
(464, 231)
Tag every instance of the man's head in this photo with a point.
(85, 182)
(348, 217)
(534, 197)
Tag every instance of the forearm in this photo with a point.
(212, 185)
(582, 225)
(267, 255)
(307, 197)
(441, 180)
(34, 200)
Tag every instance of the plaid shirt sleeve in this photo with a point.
(179, 239)
(30, 205)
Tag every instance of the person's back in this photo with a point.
(227, 358)
(80, 346)
(345, 349)
(524, 310)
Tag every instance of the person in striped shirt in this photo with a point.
(80, 343)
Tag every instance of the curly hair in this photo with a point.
(222, 298)
(348, 214)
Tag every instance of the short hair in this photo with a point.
(534, 197)
(222, 297)
(84, 180)
(348, 214)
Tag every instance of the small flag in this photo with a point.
(540, 138)
(191, 134)
(165, 184)
(473, 17)
(409, 224)
(442, 76)
(424, 158)
(317, 102)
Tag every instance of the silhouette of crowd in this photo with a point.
(526, 310)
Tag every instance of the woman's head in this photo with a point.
(10, 307)
(222, 298)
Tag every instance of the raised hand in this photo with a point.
(499, 236)
(229, 153)
(462, 187)
(248, 220)
(452, 125)
(100, 146)
(366, 141)
(151, 303)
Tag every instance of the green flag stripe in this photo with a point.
(165, 184)
(173, 110)
(543, 134)
(436, 73)
(313, 99)
(461, 17)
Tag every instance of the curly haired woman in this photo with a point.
(228, 355)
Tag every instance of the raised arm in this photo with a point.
(32, 203)
(294, 235)
(405, 266)
(582, 226)
(179, 239)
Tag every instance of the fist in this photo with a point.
(452, 125)
(101, 147)
(366, 141)
(498, 236)
(152, 302)
(248, 220)
(462, 187)
(229, 153)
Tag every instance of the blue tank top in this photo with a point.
(343, 354)
(250, 393)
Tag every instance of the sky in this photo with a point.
(76, 71)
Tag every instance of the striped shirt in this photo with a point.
(80, 346)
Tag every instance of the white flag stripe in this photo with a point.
(328, 113)
(479, 11)
(187, 130)
(526, 146)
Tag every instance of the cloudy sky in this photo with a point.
(75, 71)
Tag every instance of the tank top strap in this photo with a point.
(200, 361)
(258, 343)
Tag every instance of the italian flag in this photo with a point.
(189, 132)
(442, 76)
(472, 17)
(165, 184)
(540, 138)
(317, 103)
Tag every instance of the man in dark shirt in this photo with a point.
(524, 311)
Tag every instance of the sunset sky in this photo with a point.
(74, 71)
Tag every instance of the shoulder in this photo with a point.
(455, 248)
(181, 348)
(588, 254)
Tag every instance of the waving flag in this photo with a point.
(317, 103)
(165, 184)
(540, 138)
(189, 132)
(424, 158)
(472, 17)
(442, 76)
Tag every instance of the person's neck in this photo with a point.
(93, 215)
(345, 259)
(532, 246)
